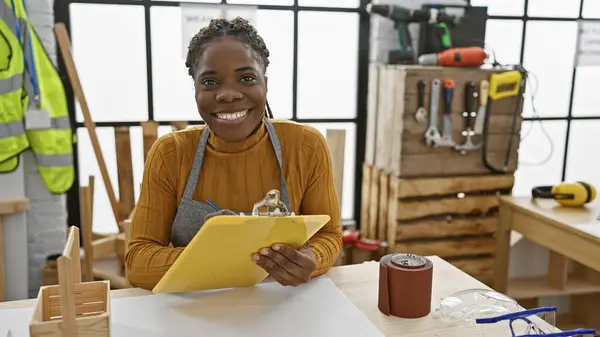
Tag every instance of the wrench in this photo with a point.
(421, 111)
(446, 140)
(469, 114)
(432, 135)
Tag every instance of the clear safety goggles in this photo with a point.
(533, 322)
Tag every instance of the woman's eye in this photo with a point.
(248, 79)
(209, 82)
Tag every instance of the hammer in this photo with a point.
(469, 114)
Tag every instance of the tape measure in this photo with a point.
(574, 194)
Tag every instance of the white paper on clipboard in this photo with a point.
(195, 16)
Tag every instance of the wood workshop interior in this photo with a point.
(299, 168)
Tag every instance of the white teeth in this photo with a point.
(233, 116)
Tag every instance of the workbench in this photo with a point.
(572, 236)
(360, 283)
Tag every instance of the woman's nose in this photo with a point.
(228, 95)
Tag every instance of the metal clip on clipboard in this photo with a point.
(271, 205)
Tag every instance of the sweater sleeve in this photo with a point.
(149, 255)
(320, 198)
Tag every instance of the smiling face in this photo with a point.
(231, 89)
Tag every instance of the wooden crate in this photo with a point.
(452, 217)
(72, 308)
(396, 141)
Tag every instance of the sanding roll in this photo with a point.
(405, 282)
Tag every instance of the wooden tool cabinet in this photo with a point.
(426, 200)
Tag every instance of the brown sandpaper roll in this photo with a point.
(405, 282)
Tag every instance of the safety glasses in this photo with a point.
(535, 322)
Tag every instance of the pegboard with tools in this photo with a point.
(427, 189)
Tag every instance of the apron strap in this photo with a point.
(285, 197)
(190, 187)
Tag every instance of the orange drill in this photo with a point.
(455, 57)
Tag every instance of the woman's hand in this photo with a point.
(288, 266)
(217, 213)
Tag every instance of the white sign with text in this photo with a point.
(196, 16)
(587, 52)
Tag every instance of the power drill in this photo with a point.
(402, 17)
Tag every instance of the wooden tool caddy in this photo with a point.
(427, 200)
(72, 308)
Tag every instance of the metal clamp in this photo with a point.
(272, 205)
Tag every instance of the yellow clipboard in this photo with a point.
(220, 254)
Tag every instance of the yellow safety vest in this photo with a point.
(50, 134)
(13, 139)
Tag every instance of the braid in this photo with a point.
(239, 28)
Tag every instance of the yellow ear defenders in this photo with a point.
(567, 194)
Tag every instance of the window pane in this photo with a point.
(262, 2)
(535, 148)
(111, 60)
(505, 37)
(501, 7)
(580, 165)
(586, 101)
(330, 3)
(349, 160)
(554, 8)
(174, 88)
(553, 74)
(327, 64)
(591, 9)
(104, 220)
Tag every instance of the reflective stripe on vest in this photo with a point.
(53, 146)
(13, 139)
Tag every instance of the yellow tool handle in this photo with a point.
(483, 92)
(506, 84)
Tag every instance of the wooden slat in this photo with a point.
(449, 248)
(452, 164)
(365, 200)
(480, 268)
(436, 229)
(558, 270)
(13, 205)
(424, 187)
(470, 205)
(495, 143)
(124, 171)
(383, 206)
(374, 204)
(150, 132)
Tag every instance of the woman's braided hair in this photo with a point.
(238, 28)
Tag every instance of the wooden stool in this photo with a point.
(8, 207)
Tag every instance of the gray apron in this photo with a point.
(190, 213)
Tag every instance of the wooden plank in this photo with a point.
(336, 140)
(495, 143)
(397, 120)
(124, 171)
(558, 270)
(498, 124)
(423, 187)
(453, 164)
(365, 200)
(13, 205)
(383, 206)
(373, 203)
(392, 223)
(480, 268)
(449, 248)
(442, 228)
(469, 205)
(372, 104)
(150, 132)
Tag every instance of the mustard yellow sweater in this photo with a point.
(234, 176)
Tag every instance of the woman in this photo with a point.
(233, 162)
